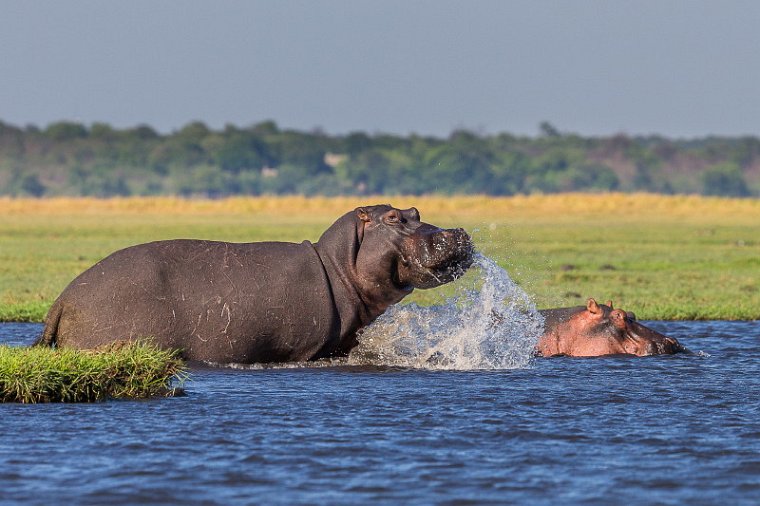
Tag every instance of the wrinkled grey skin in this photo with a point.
(259, 302)
(599, 329)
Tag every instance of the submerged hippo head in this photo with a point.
(599, 329)
(415, 254)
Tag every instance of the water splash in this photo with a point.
(493, 326)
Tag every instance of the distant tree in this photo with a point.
(237, 151)
(463, 166)
(193, 132)
(103, 131)
(142, 132)
(31, 185)
(746, 150)
(153, 187)
(593, 177)
(356, 143)
(725, 179)
(642, 178)
(366, 172)
(63, 131)
(322, 184)
(303, 153)
(265, 128)
(510, 170)
(208, 181)
(115, 185)
(284, 181)
(183, 147)
(72, 159)
(103, 184)
(249, 182)
(548, 130)
(11, 141)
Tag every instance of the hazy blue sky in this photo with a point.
(679, 68)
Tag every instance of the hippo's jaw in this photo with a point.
(431, 257)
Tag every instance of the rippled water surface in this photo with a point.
(681, 429)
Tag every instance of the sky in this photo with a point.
(682, 69)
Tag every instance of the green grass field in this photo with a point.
(679, 257)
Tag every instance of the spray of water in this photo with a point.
(492, 326)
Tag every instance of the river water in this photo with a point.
(439, 405)
(681, 429)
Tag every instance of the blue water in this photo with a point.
(681, 429)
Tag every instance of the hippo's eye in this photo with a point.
(392, 218)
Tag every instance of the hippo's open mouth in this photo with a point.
(436, 257)
(453, 268)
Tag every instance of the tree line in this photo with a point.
(70, 158)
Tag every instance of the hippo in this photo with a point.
(224, 302)
(599, 329)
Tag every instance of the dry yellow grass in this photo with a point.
(567, 206)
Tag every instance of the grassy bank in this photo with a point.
(664, 257)
(41, 374)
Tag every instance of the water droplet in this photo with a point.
(493, 326)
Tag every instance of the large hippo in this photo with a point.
(599, 329)
(259, 302)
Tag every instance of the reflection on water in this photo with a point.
(681, 429)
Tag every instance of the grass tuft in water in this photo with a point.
(133, 370)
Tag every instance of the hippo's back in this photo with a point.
(214, 300)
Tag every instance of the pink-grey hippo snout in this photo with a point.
(600, 329)
(644, 341)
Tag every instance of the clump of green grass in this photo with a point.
(121, 371)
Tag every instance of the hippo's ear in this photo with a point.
(413, 213)
(609, 303)
(593, 307)
(363, 214)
